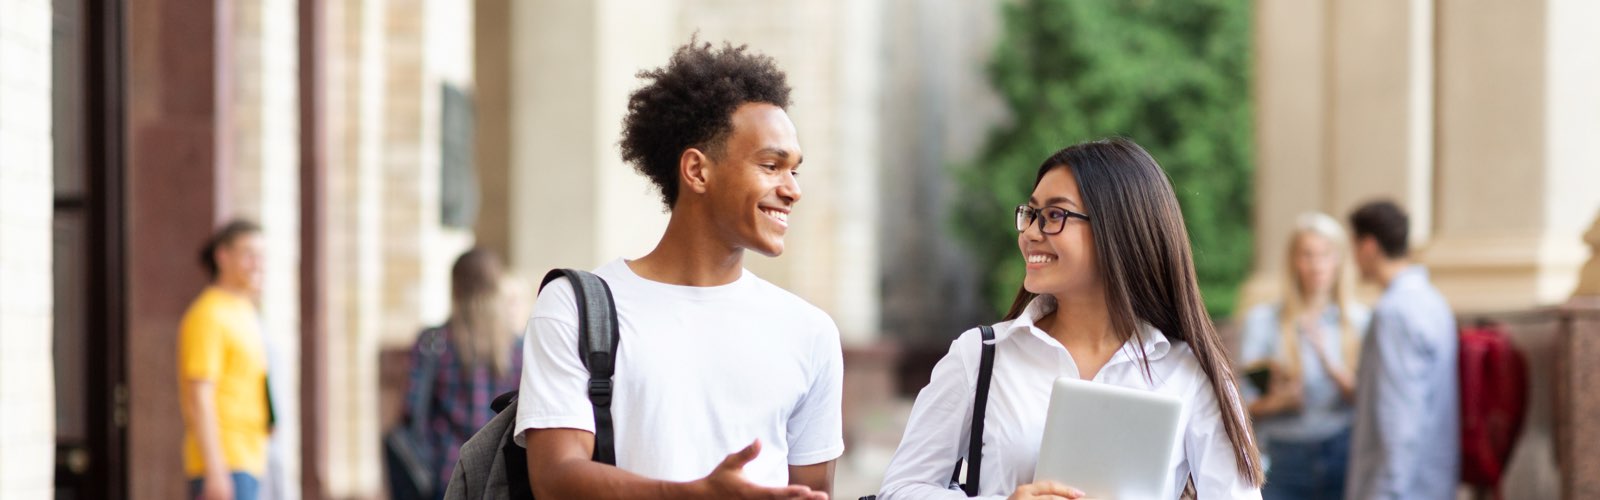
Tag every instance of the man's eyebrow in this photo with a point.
(780, 153)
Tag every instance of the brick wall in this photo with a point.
(27, 392)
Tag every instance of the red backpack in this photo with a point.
(1494, 391)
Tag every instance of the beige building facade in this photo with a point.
(325, 121)
(1479, 118)
(1472, 115)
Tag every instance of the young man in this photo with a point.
(726, 385)
(1407, 430)
(222, 367)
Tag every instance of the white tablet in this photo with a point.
(1111, 442)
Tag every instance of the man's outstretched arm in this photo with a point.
(559, 467)
(818, 477)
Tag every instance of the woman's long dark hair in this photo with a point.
(1146, 265)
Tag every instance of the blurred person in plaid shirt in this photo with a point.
(477, 356)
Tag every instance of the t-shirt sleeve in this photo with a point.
(816, 428)
(1257, 343)
(555, 384)
(1259, 335)
(200, 341)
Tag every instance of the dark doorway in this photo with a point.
(87, 275)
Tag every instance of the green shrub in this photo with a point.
(1173, 76)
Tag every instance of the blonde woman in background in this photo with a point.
(1305, 348)
(477, 354)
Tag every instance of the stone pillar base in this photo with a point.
(1577, 404)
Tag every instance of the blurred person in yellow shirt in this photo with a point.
(222, 371)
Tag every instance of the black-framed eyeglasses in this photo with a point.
(1051, 220)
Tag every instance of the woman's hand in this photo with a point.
(1284, 393)
(1341, 376)
(1045, 490)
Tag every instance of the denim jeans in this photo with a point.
(1307, 470)
(245, 487)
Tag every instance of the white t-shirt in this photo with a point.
(701, 372)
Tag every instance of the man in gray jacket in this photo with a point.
(1407, 435)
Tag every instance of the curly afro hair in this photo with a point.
(689, 104)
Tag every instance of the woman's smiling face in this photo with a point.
(1062, 263)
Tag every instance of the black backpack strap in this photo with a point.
(504, 401)
(597, 348)
(975, 439)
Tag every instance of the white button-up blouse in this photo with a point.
(1027, 362)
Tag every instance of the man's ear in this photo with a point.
(694, 172)
(1367, 245)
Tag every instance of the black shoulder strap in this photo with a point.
(980, 405)
(597, 348)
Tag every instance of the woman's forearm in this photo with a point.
(1263, 407)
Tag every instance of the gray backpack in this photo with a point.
(491, 465)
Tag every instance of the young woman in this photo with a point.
(1109, 296)
(477, 355)
(1308, 342)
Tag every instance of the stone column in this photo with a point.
(492, 68)
(1344, 115)
(27, 389)
(576, 204)
(1291, 131)
(1516, 173)
(407, 171)
(177, 121)
(356, 76)
(427, 44)
(264, 184)
(857, 80)
(313, 87)
(1381, 109)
